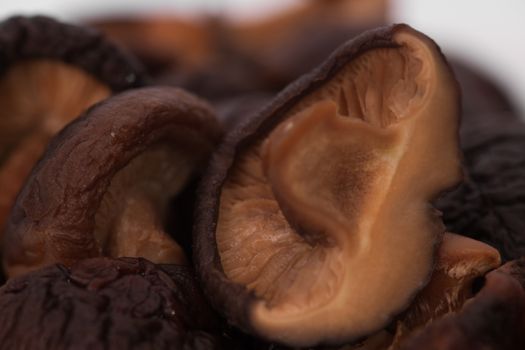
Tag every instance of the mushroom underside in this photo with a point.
(326, 218)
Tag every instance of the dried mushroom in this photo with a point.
(49, 73)
(104, 303)
(314, 221)
(105, 184)
(489, 206)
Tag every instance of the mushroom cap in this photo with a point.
(297, 184)
(49, 73)
(104, 184)
(108, 303)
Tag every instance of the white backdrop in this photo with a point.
(488, 33)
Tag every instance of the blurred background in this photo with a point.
(487, 35)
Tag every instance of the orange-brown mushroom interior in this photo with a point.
(327, 218)
(38, 97)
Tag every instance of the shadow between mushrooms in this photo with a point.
(49, 73)
(104, 185)
(314, 224)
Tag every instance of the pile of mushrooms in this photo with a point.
(336, 211)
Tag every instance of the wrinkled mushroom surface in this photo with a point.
(49, 73)
(489, 206)
(105, 184)
(317, 214)
(104, 303)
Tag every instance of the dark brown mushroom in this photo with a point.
(49, 73)
(104, 303)
(104, 185)
(490, 205)
(314, 221)
(493, 319)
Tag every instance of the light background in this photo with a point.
(488, 33)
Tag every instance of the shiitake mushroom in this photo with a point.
(49, 73)
(105, 303)
(314, 223)
(444, 334)
(105, 184)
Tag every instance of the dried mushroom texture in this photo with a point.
(493, 319)
(314, 222)
(105, 184)
(490, 206)
(104, 303)
(49, 73)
